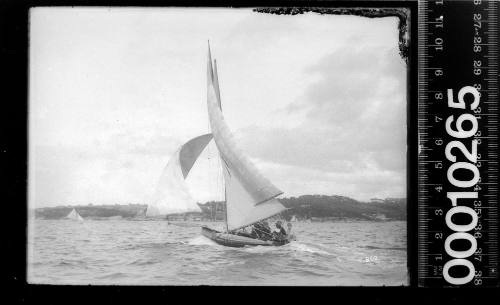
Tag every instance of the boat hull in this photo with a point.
(232, 240)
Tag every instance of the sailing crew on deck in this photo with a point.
(290, 235)
(261, 230)
(279, 233)
(243, 232)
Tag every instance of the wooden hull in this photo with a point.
(232, 240)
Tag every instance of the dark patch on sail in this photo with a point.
(190, 152)
(226, 166)
(402, 13)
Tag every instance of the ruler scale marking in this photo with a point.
(454, 53)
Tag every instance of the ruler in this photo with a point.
(457, 143)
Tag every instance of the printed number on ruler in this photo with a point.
(458, 143)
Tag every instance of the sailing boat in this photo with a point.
(73, 215)
(249, 196)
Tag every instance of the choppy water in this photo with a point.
(117, 252)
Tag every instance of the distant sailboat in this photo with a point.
(73, 215)
(250, 197)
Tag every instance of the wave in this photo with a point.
(385, 248)
(143, 262)
(311, 273)
(201, 241)
(149, 245)
(302, 247)
(293, 246)
(185, 224)
(259, 249)
(72, 262)
(114, 275)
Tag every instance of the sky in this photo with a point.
(318, 102)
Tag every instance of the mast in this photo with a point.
(249, 196)
(217, 91)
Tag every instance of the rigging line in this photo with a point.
(211, 183)
(225, 208)
(264, 232)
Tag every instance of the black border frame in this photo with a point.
(15, 19)
(14, 31)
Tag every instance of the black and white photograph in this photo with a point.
(217, 146)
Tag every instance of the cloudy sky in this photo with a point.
(318, 102)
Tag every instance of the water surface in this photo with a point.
(123, 252)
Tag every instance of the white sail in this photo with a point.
(216, 84)
(249, 195)
(172, 195)
(241, 208)
(73, 215)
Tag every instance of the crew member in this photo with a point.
(261, 230)
(280, 232)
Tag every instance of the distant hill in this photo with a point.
(315, 207)
(340, 207)
(92, 211)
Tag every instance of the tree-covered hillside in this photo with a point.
(315, 207)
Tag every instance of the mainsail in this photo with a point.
(250, 197)
(172, 195)
(74, 215)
